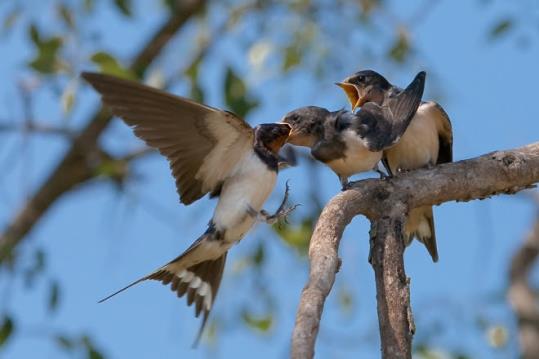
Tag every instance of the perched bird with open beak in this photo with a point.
(427, 141)
(209, 151)
(351, 143)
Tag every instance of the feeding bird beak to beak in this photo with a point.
(355, 95)
(281, 132)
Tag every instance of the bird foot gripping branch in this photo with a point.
(281, 213)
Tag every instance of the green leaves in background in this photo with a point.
(84, 343)
(261, 323)
(6, 329)
(197, 93)
(54, 295)
(66, 14)
(46, 61)
(292, 57)
(109, 65)
(236, 97)
(297, 235)
(401, 47)
(500, 28)
(124, 6)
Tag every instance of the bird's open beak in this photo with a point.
(352, 93)
(280, 139)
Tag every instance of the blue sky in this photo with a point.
(97, 240)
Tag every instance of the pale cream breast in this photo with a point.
(418, 145)
(357, 157)
(250, 186)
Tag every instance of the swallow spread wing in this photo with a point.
(428, 140)
(209, 151)
(201, 143)
(351, 143)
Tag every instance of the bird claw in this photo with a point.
(281, 213)
(348, 185)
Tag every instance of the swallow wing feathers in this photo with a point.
(382, 126)
(202, 144)
(445, 134)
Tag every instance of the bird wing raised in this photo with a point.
(202, 144)
(382, 126)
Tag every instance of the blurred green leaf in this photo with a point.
(259, 255)
(197, 93)
(171, 5)
(89, 5)
(94, 354)
(368, 6)
(401, 47)
(236, 96)
(54, 295)
(64, 342)
(109, 65)
(297, 236)
(37, 267)
(11, 19)
(6, 330)
(260, 323)
(497, 336)
(124, 6)
(34, 34)
(91, 351)
(68, 97)
(116, 170)
(292, 57)
(46, 60)
(500, 28)
(66, 15)
(346, 299)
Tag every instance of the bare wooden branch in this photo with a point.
(392, 285)
(522, 297)
(481, 177)
(78, 164)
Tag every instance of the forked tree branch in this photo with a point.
(385, 202)
(79, 163)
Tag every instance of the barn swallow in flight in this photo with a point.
(351, 143)
(209, 151)
(427, 141)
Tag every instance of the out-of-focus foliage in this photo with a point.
(109, 65)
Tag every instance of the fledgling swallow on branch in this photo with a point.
(427, 141)
(209, 151)
(351, 143)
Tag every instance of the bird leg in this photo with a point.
(281, 213)
(383, 175)
(344, 183)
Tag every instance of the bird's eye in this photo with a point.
(361, 78)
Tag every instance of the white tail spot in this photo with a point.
(202, 288)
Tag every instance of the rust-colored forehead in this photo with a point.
(268, 133)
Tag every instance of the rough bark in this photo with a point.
(79, 163)
(522, 296)
(392, 285)
(477, 178)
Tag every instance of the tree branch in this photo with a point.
(481, 177)
(78, 164)
(522, 297)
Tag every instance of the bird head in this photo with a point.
(272, 135)
(364, 86)
(307, 125)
